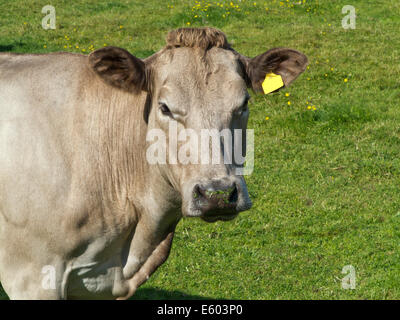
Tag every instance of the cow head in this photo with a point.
(197, 89)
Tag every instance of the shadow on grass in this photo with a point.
(5, 48)
(19, 46)
(159, 294)
(147, 294)
(3, 295)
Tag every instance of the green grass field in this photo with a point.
(326, 182)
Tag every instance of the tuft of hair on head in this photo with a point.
(204, 38)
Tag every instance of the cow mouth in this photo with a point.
(216, 200)
(214, 218)
(219, 215)
(219, 209)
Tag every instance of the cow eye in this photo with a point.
(165, 110)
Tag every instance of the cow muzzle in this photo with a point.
(218, 199)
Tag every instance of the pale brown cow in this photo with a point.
(80, 204)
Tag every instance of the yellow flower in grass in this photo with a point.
(289, 103)
(267, 118)
(346, 80)
(287, 94)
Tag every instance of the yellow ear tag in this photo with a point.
(272, 82)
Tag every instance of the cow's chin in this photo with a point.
(221, 217)
(211, 216)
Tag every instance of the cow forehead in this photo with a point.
(196, 70)
(189, 79)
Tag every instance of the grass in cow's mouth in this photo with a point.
(325, 182)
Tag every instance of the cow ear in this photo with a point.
(287, 63)
(119, 68)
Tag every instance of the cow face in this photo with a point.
(204, 95)
(198, 112)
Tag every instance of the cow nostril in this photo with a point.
(198, 192)
(233, 197)
(220, 197)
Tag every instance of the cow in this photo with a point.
(84, 214)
